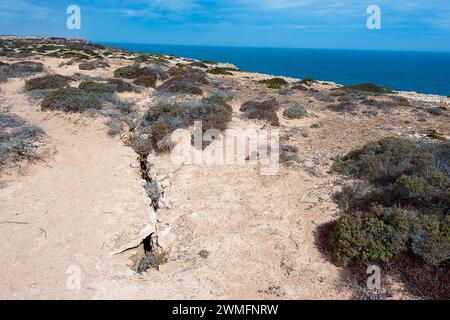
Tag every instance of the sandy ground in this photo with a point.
(233, 233)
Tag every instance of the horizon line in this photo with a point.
(267, 47)
(232, 46)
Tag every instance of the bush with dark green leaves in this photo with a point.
(399, 206)
(274, 83)
(185, 81)
(96, 87)
(146, 81)
(71, 100)
(365, 87)
(54, 81)
(262, 110)
(226, 71)
(121, 86)
(128, 72)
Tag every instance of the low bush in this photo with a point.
(17, 139)
(54, 81)
(87, 66)
(295, 112)
(71, 100)
(345, 107)
(158, 72)
(20, 69)
(226, 71)
(299, 86)
(365, 87)
(274, 83)
(185, 81)
(289, 154)
(121, 86)
(161, 120)
(96, 87)
(135, 71)
(146, 81)
(399, 208)
(262, 110)
(128, 72)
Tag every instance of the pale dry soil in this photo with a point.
(232, 233)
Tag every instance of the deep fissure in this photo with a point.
(148, 257)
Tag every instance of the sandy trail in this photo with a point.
(72, 209)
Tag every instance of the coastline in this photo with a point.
(386, 68)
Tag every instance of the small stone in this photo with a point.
(166, 239)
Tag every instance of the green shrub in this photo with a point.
(430, 239)
(295, 112)
(379, 162)
(274, 83)
(223, 71)
(262, 110)
(366, 87)
(377, 234)
(161, 120)
(20, 69)
(128, 72)
(54, 81)
(402, 102)
(185, 81)
(87, 66)
(121, 85)
(401, 207)
(347, 239)
(146, 81)
(70, 100)
(95, 87)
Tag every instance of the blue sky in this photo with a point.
(406, 24)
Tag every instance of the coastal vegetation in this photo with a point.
(53, 81)
(227, 71)
(262, 110)
(397, 212)
(365, 87)
(295, 112)
(18, 139)
(274, 83)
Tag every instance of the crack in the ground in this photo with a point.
(149, 256)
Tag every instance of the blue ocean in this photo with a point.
(423, 72)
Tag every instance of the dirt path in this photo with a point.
(67, 214)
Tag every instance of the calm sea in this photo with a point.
(424, 72)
